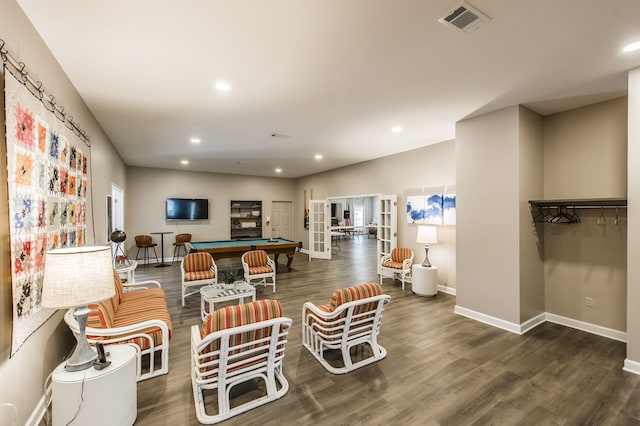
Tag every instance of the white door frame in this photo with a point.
(319, 229)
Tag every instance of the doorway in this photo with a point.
(281, 219)
(117, 208)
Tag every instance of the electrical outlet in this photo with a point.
(589, 302)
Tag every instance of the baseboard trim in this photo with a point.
(610, 333)
(448, 290)
(37, 416)
(530, 324)
(631, 366)
(488, 319)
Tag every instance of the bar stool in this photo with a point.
(145, 242)
(179, 244)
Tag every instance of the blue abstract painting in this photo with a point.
(425, 209)
(449, 209)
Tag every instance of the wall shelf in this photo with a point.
(581, 203)
(564, 210)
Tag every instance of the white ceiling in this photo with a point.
(333, 75)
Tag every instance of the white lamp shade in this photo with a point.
(427, 235)
(77, 276)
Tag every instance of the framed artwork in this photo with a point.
(425, 209)
(436, 206)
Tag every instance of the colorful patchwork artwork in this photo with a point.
(48, 174)
(24, 126)
(23, 169)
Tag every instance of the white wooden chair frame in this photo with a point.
(261, 277)
(404, 274)
(197, 283)
(343, 329)
(222, 369)
(120, 334)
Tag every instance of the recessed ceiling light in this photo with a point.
(396, 129)
(223, 86)
(195, 140)
(318, 157)
(631, 47)
(278, 170)
(184, 162)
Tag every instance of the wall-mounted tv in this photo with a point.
(187, 208)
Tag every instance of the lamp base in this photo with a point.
(83, 356)
(426, 263)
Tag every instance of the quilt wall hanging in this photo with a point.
(48, 185)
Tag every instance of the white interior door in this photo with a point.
(117, 208)
(387, 238)
(319, 232)
(281, 219)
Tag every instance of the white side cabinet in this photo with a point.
(97, 397)
(424, 280)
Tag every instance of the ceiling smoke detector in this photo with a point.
(464, 17)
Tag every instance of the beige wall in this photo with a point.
(633, 244)
(585, 157)
(23, 375)
(488, 225)
(400, 174)
(532, 291)
(147, 190)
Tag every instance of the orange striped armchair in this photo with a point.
(137, 315)
(235, 345)
(350, 319)
(197, 269)
(257, 265)
(397, 264)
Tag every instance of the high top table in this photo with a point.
(162, 264)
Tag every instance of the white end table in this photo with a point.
(98, 397)
(128, 268)
(216, 293)
(424, 280)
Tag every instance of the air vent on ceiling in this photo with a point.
(464, 17)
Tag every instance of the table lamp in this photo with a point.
(76, 277)
(427, 235)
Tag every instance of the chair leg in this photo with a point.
(175, 250)
(155, 254)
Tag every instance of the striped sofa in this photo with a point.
(234, 345)
(137, 315)
(351, 318)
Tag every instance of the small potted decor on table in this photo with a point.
(229, 277)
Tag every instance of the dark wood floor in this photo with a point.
(441, 369)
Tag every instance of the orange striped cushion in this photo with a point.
(394, 265)
(199, 275)
(135, 307)
(197, 262)
(103, 313)
(117, 281)
(399, 254)
(256, 258)
(260, 270)
(357, 292)
(237, 315)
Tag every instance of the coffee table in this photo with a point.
(216, 293)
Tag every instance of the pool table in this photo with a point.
(233, 248)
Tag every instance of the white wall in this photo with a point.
(149, 188)
(407, 172)
(633, 244)
(488, 225)
(585, 156)
(22, 376)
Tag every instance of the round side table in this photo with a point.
(424, 281)
(98, 397)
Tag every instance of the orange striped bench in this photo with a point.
(138, 316)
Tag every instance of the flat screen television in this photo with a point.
(187, 208)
